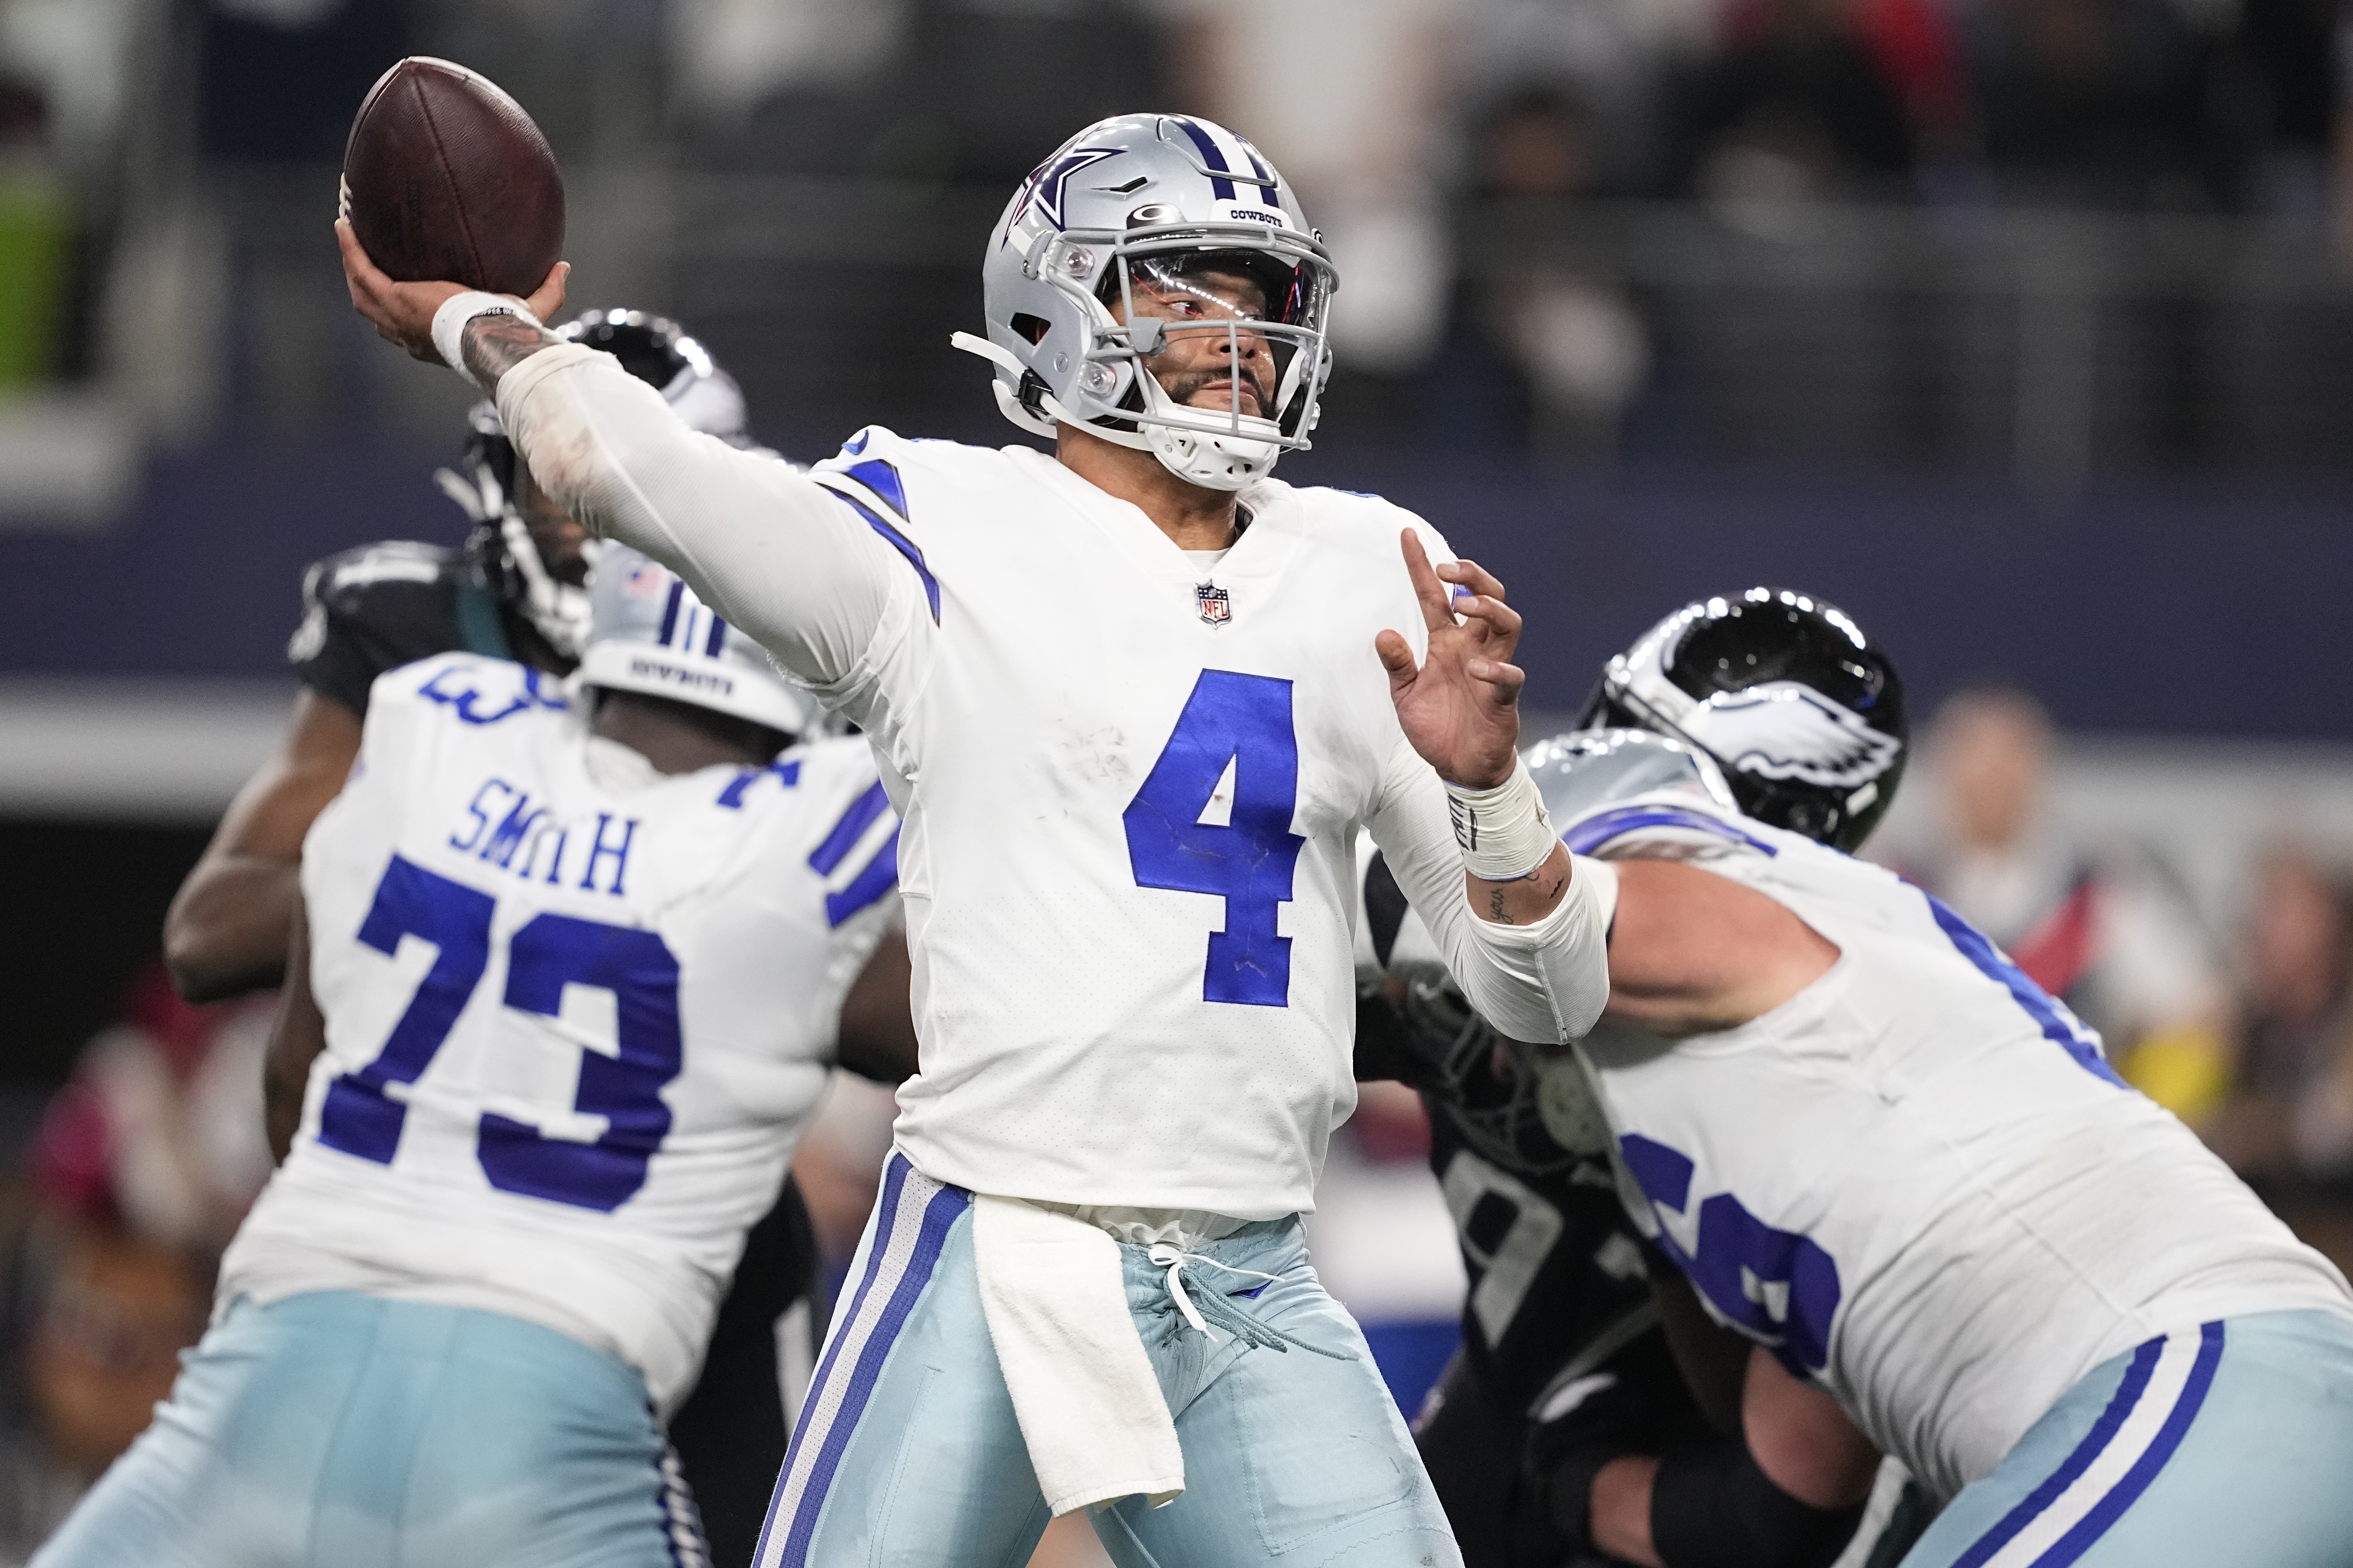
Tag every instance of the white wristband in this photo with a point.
(450, 325)
(1504, 831)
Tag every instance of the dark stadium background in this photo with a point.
(2045, 373)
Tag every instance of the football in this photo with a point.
(445, 177)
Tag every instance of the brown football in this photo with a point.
(446, 178)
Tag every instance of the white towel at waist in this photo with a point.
(1091, 1409)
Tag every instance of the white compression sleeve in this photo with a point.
(775, 553)
(1545, 983)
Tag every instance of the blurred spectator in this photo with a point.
(2090, 103)
(281, 78)
(2288, 1128)
(2101, 925)
(1349, 97)
(2279, 89)
(1813, 98)
(143, 1165)
(1615, 60)
(919, 94)
(1539, 357)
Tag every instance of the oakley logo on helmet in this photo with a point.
(1781, 730)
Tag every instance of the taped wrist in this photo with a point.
(1504, 832)
(1711, 1507)
(450, 325)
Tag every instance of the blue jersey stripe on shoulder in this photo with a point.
(1589, 834)
(879, 877)
(2058, 1024)
(903, 545)
(846, 833)
(881, 476)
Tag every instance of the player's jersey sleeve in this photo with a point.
(773, 553)
(1546, 982)
(369, 610)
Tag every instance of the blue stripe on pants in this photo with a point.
(912, 1217)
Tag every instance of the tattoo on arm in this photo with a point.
(495, 345)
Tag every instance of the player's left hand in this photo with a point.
(403, 313)
(1460, 706)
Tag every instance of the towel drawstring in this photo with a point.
(1215, 1308)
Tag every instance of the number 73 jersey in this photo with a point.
(577, 1013)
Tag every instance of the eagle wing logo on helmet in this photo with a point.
(1781, 730)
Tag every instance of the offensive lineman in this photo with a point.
(1943, 1229)
(566, 981)
(515, 589)
(1562, 1351)
(1134, 700)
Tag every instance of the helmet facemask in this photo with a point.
(1169, 306)
(1195, 317)
(1488, 1083)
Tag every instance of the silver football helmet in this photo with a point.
(648, 632)
(656, 351)
(1143, 235)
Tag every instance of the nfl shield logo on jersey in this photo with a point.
(1215, 607)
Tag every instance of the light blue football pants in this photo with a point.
(908, 1454)
(2227, 1445)
(336, 1430)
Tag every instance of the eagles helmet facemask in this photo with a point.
(1802, 710)
(653, 349)
(1139, 231)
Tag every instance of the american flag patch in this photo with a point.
(1216, 608)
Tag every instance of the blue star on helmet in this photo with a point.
(1046, 184)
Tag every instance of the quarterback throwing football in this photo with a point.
(1135, 701)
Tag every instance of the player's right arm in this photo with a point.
(225, 931)
(773, 553)
(1693, 953)
(1786, 1491)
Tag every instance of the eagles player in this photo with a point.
(1561, 1348)
(1926, 1217)
(568, 977)
(1135, 700)
(514, 589)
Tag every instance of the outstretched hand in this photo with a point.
(1460, 706)
(403, 313)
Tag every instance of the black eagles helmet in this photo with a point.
(1803, 712)
(655, 350)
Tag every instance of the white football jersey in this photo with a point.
(1133, 784)
(1918, 1182)
(576, 1013)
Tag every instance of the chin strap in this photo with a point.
(1212, 459)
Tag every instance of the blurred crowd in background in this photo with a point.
(1585, 230)
(2041, 239)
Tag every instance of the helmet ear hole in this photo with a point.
(1034, 328)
